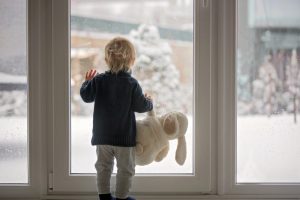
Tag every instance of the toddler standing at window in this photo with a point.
(117, 95)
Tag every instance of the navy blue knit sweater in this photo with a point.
(116, 97)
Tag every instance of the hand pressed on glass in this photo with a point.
(90, 74)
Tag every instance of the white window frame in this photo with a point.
(215, 92)
(201, 181)
(35, 91)
(227, 116)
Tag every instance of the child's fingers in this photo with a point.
(148, 97)
(94, 73)
(90, 74)
(86, 75)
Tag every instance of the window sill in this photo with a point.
(169, 197)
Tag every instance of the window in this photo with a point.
(268, 91)
(164, 66)
(226, 69)
(257, 126)
(13, 92)
(74, 157)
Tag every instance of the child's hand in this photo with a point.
(90, 74)
(148, 97)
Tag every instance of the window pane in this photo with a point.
(13, 92)
(163, 37)
(268, 91)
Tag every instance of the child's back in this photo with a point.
(117, 96)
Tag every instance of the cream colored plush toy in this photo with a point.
(154, 133)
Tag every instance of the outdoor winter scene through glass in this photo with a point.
(162, 34)
(13, 92)
(268, 91)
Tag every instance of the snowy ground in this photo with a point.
(268, 150)
(84, 155)
(13, 150)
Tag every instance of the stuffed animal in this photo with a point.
(154, 133)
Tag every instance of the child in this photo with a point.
(117, 95)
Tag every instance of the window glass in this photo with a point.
(162, 33)
(268, 91)
(13, 92)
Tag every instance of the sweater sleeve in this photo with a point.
(88, 90)
(139, 102)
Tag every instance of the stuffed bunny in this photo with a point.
(154, 133)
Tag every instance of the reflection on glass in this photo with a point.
(163, 38)
(13, 92)
(268, 91)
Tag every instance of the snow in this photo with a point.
(13, 150)
(9, 78)
(268, 150)
(84, 155)
(13, 103)
(156, 72)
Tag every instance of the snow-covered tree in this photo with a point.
(154, 69)
(293, 83)
(264, 89)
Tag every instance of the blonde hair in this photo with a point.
(119, 54)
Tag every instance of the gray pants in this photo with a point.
(125, 157)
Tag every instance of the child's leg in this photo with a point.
(125, 157)
(104, 167)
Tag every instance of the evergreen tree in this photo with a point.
(155, 71)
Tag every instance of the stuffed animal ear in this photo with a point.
(171, 126)
(181, 151)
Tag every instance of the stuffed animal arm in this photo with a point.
(154, 133)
